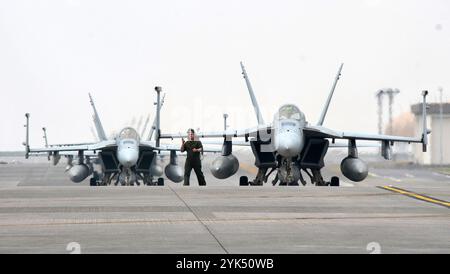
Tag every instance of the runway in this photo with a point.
(41, 211)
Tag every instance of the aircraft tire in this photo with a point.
(243, 181)
(334, 181)
(93, 182)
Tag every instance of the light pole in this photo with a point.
(225, 116)
(441, 125)
(158, 114)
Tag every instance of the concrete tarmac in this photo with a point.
(41, 211)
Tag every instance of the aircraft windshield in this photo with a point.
(290, 112)
(129, 133)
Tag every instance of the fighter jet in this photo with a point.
(290, 145)
(127, 159)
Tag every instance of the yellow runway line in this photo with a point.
(416, 196)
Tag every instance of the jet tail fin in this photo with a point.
(252, 96)
(327, 104)
(145, 125)
(98, 124)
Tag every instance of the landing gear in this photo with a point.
(148, 181)
(124, 178)
(290, 178)
(261, 177)
(317, 179)
(93, 182)
(243, 181)
(288, 172)
(334, 181)
(127, 177)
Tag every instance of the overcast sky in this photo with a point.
(52, 53)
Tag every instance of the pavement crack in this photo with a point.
(199, 220)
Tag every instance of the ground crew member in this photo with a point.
(193, 149)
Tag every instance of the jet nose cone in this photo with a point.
(128, 158)
(289, 145)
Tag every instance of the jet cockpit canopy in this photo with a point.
(128, 133)
(290, 112)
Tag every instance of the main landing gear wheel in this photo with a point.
(243, 181)
(334, 181)
(160, 181)
(93, 182)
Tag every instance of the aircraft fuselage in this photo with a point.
(128, 147)
(288, 135)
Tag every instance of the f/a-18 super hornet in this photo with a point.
(290, 145)
(127, 159)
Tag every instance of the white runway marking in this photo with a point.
(441, 175)
(394, 179)
(373, 175)
(346, 184)
(409, 175)
(389, 178)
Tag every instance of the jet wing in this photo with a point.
(218, 142)
(75, 147)
(249, 132)
(168, 147)
(345, 145)
(322, 132)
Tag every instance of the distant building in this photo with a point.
(433, 154)
(402, 125)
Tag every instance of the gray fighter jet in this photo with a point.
(290, 145)
(125, 160)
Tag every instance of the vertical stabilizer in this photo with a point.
(327, 104)
(98, 124)
(145, 125)
(252, 97)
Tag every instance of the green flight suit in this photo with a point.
(193, 162)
